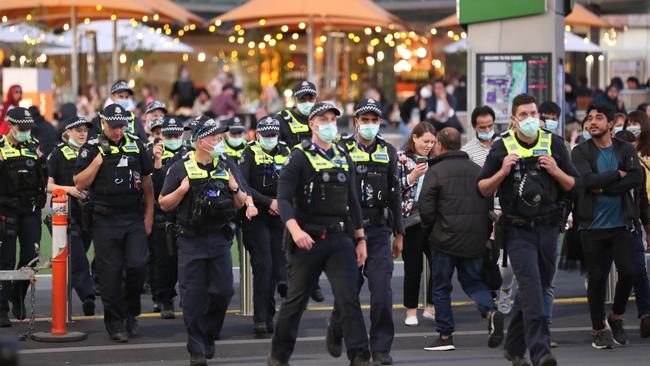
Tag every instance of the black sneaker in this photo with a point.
(334, 341)
(272, 361)
(547, 360)
(361, 358)
(4, 320)
(198, 359)
(495, 329)
(88, 307)
(644, 326)
(119, 337)
(382, 358)
(441, 344)
(167, 310)
(602, 340)
(209, 351)
(132, 327)
(516, 360)
(317, 295)
(260, 329)
(618, 333)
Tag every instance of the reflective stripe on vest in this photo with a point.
(195, 172)
(262, 157)
(166, 154)
(7, 151)
(296, 126)
(319, 162)
(543, 146)
(380, 155)
(68, 153)
(129, 147)
(232, 152)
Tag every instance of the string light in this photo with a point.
(251, 44)
(279, 36)
(145, 18)
(113, 17)
(28, 17)
(323, 38)
(212, 28)
(201, 57)
(186, 57)
(267, 37)
(302, 25)
(272, 42)
(367, 31)
(99, 7)
(262, 21)
(122, 58)
(4, 19)
(434, 31)
(232, 39)
(240, 40)
(295, 36)
(292, 47)
(378, 29)
(87, 21)
(66, 26)
(284, 28)
(156, 17)
(217, 22)
(319, 49)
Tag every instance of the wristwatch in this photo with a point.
(360, 238)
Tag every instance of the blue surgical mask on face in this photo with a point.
(327, 132)
(618, 129)
(173, 144)
(485, 136)
(74, 143)
(268, 143)
(22, 136)
(217, 150)
(235, 141)
(368, 131)
(551, 124)
(529, 127)
(125, 103)
(636, 131)
(586, 135)
(305, 108)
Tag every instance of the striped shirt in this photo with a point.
(477, 151)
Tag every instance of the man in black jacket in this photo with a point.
(607, 216)
(457, 217)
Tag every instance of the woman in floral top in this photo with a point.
(418, 147)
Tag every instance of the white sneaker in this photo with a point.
(503, 301)
(428, 315)
(411, 321)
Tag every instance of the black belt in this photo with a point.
(110, 210)
(530, 222)
(320, 231)
(184, 231)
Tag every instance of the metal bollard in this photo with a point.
(245, 278)
(426, 273)
(611, 285)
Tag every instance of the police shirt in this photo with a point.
(158, 175)
(506, 191)
(89, 151)
(61, 170)
(247, 166)
(286, 135)
(296, 173)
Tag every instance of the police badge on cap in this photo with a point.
(115, 115)
(156, 105)
(171, 127)
(121, 86)
(304, 88)
(21, 117)
(368, 105)
(268, 126)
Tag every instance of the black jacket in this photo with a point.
(631, 187)
(451, 207)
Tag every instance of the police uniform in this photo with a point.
(204, 225)
(60, 167)
(133, 126)
(380, 197)
(294, 126)
(164, 275)
(234, 125)
(532, 212)
(262, 234)
(322, 185)
(120, 238)
(22, 196)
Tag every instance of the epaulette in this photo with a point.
(346, 136)
(186, 156)
(61, 144)
(251, 143)
(505, 133)
(282, 143)
(380, 137)
(285, 114)
(307, 145)
(132, 136)
(94, 141)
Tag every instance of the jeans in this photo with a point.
(469, 276)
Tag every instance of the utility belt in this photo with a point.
(112, 210)
(227, 229)
(321, 231)
(505, 222)
(21, 203)
(374, 217)
(160, 217)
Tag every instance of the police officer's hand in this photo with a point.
(549, 164)
(251, 211)
(273, 209)
(362, 253)
(508, 162)
(157, 154)
(302, 239)
(73, 191)
(398, 245)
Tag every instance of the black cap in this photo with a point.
(209, 128)
(158, 122)
(21, 117)
(115, 115)
(235, 124)
(156, 104)
(319, 109)
(120, 86)
(75, 122)
(368, 105)
(171, 126)
(196, 122)
(303, 88)
(268, 126)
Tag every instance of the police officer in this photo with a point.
(205, 194)
(116, 169)
(294, 122)
(320, 178)
(260, 165)
(532, 171)
(380, 197)
(154, 111)
(235, 137)
(122, 94)
(22, 196)
(60, 169)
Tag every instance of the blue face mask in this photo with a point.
(368, 131)
(485, 136)
(22, 136)
(551, 124)
(618, 129)
(218, 149)
(235, 141)
(125, 103)
(173, 144)
(529, 127)
(327, 132)
(586, 135)
(636, 131)
(268, 143)
(305, 108)
(74, 143)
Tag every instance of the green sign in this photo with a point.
(476, 11)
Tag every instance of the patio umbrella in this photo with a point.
(330, 13)
(25, 33)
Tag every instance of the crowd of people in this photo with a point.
(162, 198)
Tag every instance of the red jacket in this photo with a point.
(5, 107)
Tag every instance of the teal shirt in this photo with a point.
(608, 210)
